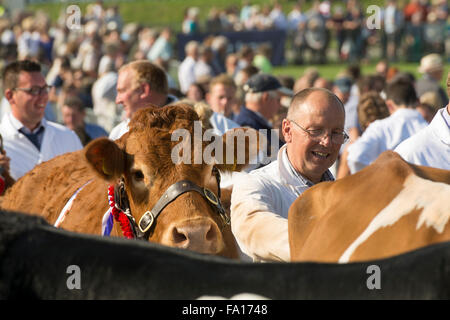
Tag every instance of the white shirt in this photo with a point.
(382, 135)
(430, 146)
(351, 110)
(24, 155)
(221, 124)
(186, 74)
(103, 97)
(260, 205)
(119, 130)
(202, 70)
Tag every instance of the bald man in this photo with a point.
(314, 133)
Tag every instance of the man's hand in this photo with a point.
(4, 160)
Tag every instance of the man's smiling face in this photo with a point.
(27, 108)
(309, 157)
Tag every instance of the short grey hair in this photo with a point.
(257, 96)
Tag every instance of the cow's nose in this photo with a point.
(201, 235)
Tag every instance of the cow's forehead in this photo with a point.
(153, 149)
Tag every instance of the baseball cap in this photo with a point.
(262, 82)
(344, 84)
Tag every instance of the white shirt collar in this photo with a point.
(17, 124)
(446, 115)
(290, 176)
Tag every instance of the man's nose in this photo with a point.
(326, 139)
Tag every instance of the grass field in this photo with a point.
(330, 71)
(169, 12)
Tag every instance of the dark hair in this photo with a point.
(10, 74)
(250, 70)
(371, 83)
(75, 103)
(402, 92)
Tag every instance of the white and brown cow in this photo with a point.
(142, 160)
(388, 208)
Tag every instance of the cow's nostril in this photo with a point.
(201, 235)
(178, 237)
(211, 234)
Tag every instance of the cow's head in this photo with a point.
(161, 150)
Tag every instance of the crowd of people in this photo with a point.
(92, 82)
(407, 28)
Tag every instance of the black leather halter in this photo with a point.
(143, 229)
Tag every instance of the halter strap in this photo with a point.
(173, 192)
(120, 208)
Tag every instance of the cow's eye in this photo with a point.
(138, 175)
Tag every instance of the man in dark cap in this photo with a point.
(262, 101)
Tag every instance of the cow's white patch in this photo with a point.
(418, 193)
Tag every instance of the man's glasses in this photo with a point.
(35, 90)
(318, 134)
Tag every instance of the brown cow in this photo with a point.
(142, 160)
(386, 209)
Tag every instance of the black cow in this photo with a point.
(36, 260)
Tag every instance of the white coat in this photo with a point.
(382, 135)
(119, 130)
(24, 155)
(260, 205)
(221, 124)
(430, 146)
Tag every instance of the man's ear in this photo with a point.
(145, 90)
(9, 95)
(286, 130)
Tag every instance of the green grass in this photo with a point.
(159, 13)
(329, 71)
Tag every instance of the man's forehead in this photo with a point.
(36, 77)
(125, 74)
(221, 87)
(318, 102)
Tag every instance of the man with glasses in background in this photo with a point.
(28, 138)
(314, 132)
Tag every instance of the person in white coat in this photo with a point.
(28, 138)
(186, 74)
(388, 133)
(430, 146)
(260, 201)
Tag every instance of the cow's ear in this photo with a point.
(241, 147)
(106, 158)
